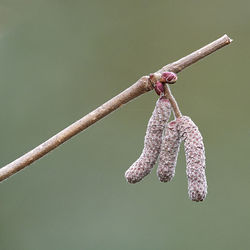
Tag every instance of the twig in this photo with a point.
(141, 86)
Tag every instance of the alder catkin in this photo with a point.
(195, 158)
(152, 142)
(169, 152)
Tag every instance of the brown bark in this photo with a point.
(141, 86)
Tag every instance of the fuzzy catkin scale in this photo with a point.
(152, 142)
(195, 158)
(169, 152)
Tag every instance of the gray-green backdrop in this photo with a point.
(59, 60)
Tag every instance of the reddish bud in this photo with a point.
(168, 77)
(159, 88)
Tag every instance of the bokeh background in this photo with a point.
(61, 59)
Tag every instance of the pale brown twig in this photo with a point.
(141, 86)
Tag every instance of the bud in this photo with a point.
(168, 77)
(169, 152)
(152, 142)
(195, 158)
(159, 88)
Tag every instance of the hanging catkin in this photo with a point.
(195, 158)
(169, 152)
(152, 142)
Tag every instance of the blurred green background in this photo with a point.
(61, 59)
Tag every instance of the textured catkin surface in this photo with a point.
(195, 158)
(169, 152)
(152, 142)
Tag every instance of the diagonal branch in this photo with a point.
(141, 86)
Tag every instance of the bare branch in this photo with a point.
(196, 55)
(141, 86)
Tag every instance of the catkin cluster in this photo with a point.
(184, 129)
(152, 142)
(163, 141)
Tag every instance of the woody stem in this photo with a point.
(142, 86)
(172, 100)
